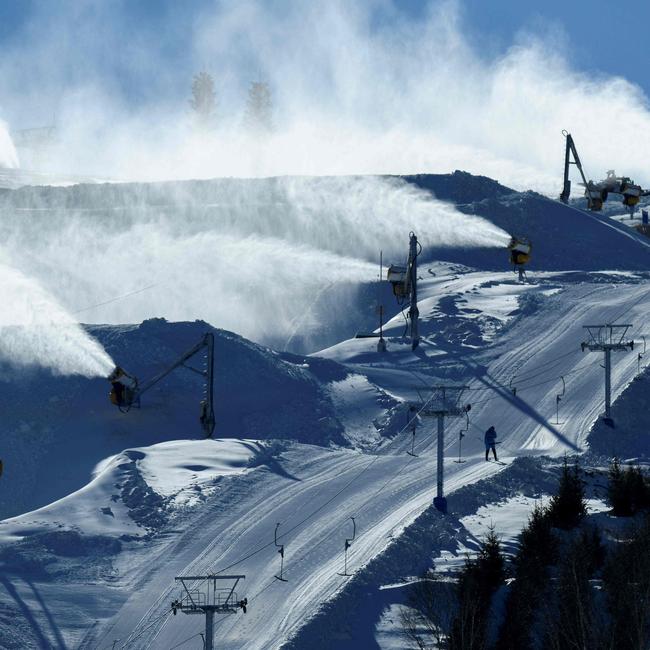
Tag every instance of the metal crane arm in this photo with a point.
(206, 418)
(568, 152)
(179, 362)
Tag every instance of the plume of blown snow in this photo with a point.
(351, 95)
(36, 330)
(250, 256)
(8, 155)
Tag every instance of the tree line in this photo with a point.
(258, 115)
(569, 586)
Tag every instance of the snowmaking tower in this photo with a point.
(404, 280)
(126, 390)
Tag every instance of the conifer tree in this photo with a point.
(259, 109)
(478, 581)
(568, 506)
(204, 100)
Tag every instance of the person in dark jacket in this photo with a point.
(491, 442)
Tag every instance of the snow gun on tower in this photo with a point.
(404, 280)
(597, 192)
(126, 391)
(520, 251)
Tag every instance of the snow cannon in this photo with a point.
(124, 388)
(399, 278)
(596, 196)
(520, 249)
(631, 192)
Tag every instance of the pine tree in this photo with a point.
(478, 581)
(204, 100)
(570, 615)
(537, 550)
(628, 490)
(626, 582)
(568, 506)
(259, 109)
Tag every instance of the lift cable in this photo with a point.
(130, 639)
(110, 300)
(634, 304)
(541, 383)
(182, 643)
(327, 501)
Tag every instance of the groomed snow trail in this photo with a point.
(386, 491)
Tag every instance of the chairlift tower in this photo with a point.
(444, 405)
(200, 595)
(607, 339)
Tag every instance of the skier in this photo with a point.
(490, 442)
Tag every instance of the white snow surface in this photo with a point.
(306, 442)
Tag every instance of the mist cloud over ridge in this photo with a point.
(350, 96)
(259, 257)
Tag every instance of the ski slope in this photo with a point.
(313, 491)
(305, 441)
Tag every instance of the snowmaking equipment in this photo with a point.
(126, 390)
(597, 193)
(404, 280)
(520, 252)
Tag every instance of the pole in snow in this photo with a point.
(414, 313)
(607, 339)
(446, 405)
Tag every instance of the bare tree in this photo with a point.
(426, 621)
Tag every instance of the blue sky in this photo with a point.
(381, 86)
(595, 39)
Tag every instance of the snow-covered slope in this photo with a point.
(56, 429)
(99, 564)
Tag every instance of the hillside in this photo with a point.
(308, 441)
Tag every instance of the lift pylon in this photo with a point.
(200, 595)
(607, 338)
(445, 404)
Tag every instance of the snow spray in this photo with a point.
(8, 155)
(254, 256)
(36, 330)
